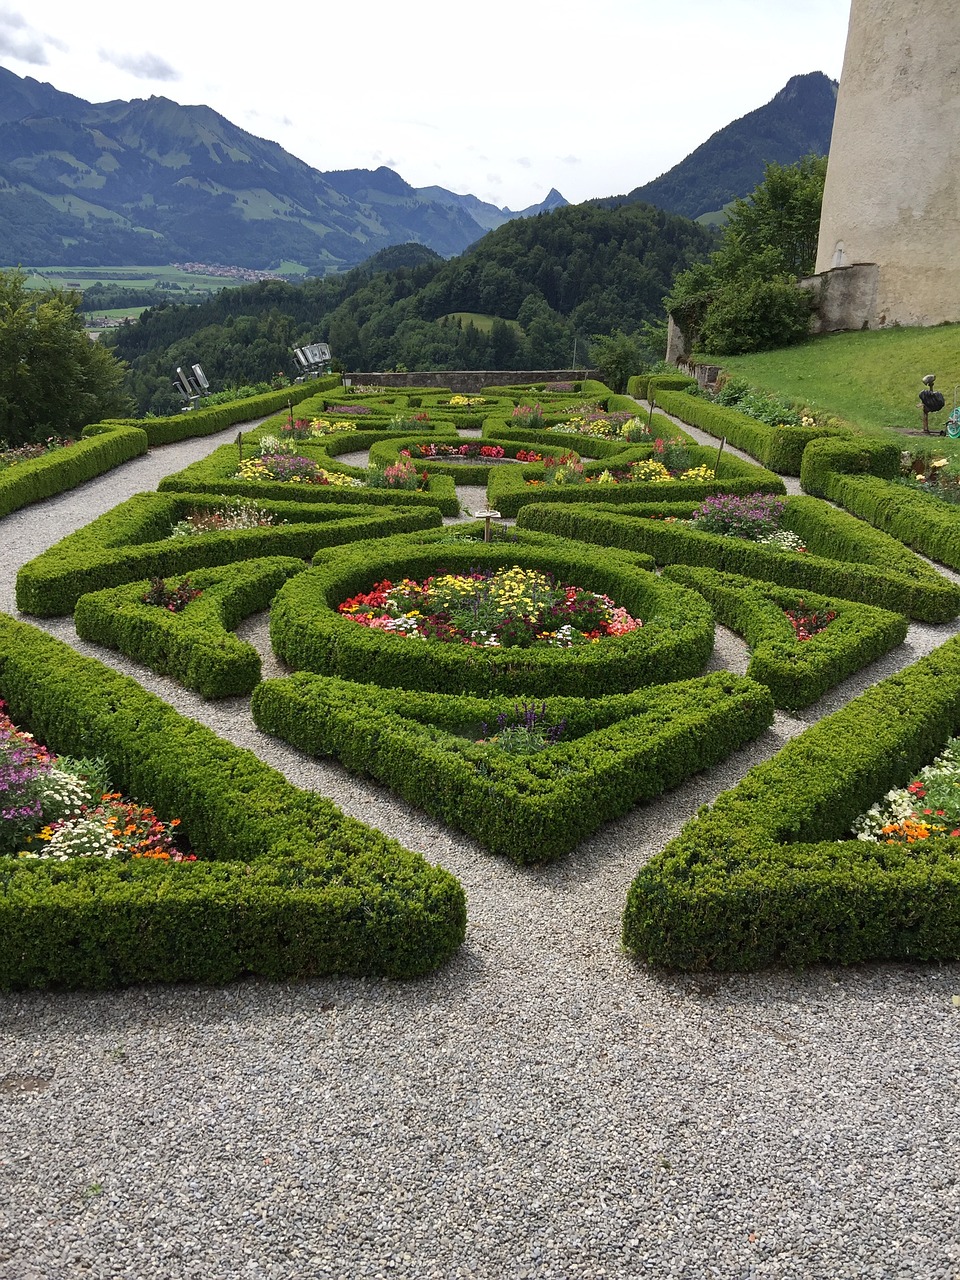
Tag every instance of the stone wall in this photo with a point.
(467, 381)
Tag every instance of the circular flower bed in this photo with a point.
(474, 588)
(494, 608)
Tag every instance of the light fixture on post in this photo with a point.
(313, 358)
(191, 386)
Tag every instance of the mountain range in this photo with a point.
(150, 181)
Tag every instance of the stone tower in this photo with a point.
(889, 250)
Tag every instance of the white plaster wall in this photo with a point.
(893, 180)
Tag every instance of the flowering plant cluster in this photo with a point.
(174, 599)
(928, 807)
(472, 449)
(463, 402)
(528, 455)
(304, 431)
(351, 408)
(292, 470)
(752, 517)
(64, 808)
(590, 420)
(408, 422)
(931, 475)
(503, 608)
(9, 457)
(808, 622)
(526, 734)
(240, 513)
(525, 415)
(399, 475)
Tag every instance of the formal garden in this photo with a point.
(523, 677)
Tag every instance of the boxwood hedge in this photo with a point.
(215, 474)
(285, 885)
(133, 541)
(796, 672)
(197, 646)
(846, 556)
(780, 448)
(101, 448)
(615, 751)
(769, 876)
(308, 633)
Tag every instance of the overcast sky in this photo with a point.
(504, 99)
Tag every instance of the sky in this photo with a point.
(503, 100)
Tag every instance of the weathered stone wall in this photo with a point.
(892, 194)
(469, 381)
(846, 297)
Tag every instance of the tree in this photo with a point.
(53, 379)
(745, 297)
(617, 358)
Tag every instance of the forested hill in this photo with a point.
(532, 288)
(796, 122)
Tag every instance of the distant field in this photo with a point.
(114, 313)
(871, 379)
(481, 322)
(131, 277)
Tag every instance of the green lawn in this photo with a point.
(870, 379)
(483, 323)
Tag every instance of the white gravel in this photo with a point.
(542, 1107)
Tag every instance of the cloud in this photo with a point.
(19, 40)
(569, 159)
(524, 162)
(145, 66)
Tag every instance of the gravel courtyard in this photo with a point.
(542, 1107)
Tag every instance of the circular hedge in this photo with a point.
(308, 633)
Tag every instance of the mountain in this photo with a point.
(794, 123)
(151, 181)
(490, 216)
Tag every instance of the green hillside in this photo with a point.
(871, 379)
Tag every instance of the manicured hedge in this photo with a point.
(475, 472)
(615, 752)
(308, 633)
(101, 449)
(285, 885)
(923, 522)
(845, 556)
(214, 474)
(508, 491)
(796, 672)
(780, 448)
(197, 646)
(132, 541)
(207, 422)
(640, 385)
(767, 875)
(823, 458)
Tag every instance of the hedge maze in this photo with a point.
(285, 885)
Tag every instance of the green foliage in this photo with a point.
(845, 556)
(133, 541)
(780, 447)
(617, 751)
(617, 357)
(196, 645)
(308, 633)
(769, 875)
(796, 672)
(285, 885)
(745, 298)
(102, 448)
(53, 379)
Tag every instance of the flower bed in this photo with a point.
(101, 449)
(510, 489)
(469, 462)
(495, 608)
(284, 884)
(927, 808)
(309, 633)
(217, 474)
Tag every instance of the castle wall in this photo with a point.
(892, 193)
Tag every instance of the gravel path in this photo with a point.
(543, 1107)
